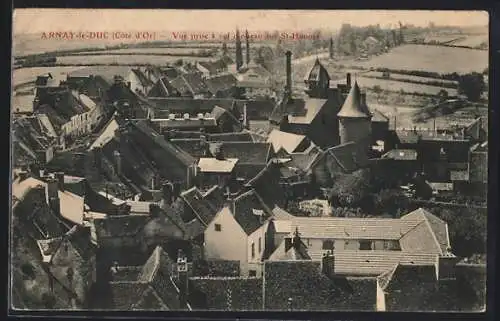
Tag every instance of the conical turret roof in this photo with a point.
(316, 72)
(353, 107)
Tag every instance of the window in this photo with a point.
(260, 245)
(365, 245)
(253, 250)
(252, 273)
(328, 245)
(218, 227)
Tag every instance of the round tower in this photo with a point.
(355, 118)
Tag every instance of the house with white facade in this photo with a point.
(241, 231)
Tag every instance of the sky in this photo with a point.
(46, 20)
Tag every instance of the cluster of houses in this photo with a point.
(140, 191)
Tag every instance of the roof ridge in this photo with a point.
(434, 236)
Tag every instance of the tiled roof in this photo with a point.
(244, 211)
(203, 208)
(213, 66)
(354, 228)
(353, 106)
(213, 165)
(191, 83)
(379, 117)
(193, 146)
(120, 226)
(107, 134)
(306, 159)
(305, 110)
(247, 152)
(401, 154)
(231, 137)
(226, 293)
(142, 78)
(281, 214)
(438, 227)
(220, 83)
(373, 263)
(288, 141)
(79, 237)
(267, 184)
(349, 156)
(401, 273)
(185, 158)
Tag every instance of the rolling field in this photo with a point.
(125, 59)
(25, 75)
(471, 41)
(395, 76)
(394, 85)
(438, 59)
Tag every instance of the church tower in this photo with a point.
(355, 119)
(317, 81)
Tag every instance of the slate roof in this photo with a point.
(231, 137)
(193, 146)
(189, 83)
(182, 156)
(281, 214)
(120, 225)
(247, 152)
(226, 293)
(288, 141)
(202, 207)
(220, 83)
(294, 253)
(401, 154)
(213, 66)
(353, 107)
(316, 72)
(306, 159)
(79, 237)
(244, 206)
(304, 111)
(349, 156)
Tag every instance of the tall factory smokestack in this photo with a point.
(288, 87)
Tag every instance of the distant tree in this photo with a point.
(178, 62)
(225, 51)
(377, 89)
(395, 37)
(442, 95)
(472, 85)
(350, 189)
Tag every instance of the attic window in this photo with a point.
(365, 245)
(218, 227)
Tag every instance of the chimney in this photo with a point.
(182, 275)
(168, 192)
(328, 264)
(52, 195)
(219, 153)
(59, 176)
(284, 123)
(348, 80)
(288, 87)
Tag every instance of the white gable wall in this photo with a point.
(228, 244)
